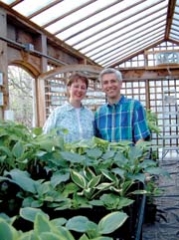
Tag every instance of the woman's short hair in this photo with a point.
(76, 76)
(117, 73)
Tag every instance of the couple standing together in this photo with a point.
(117, 120)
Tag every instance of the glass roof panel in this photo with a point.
(176, 16)
(27, 7)
(80, 14)
(57, 11)
(176, 8)
(141, 36)
(114, 29)
(105, 18)
(8, 1)
(124, 55)
(105, 31)
(127, 32)
(129, 46)
(93, 30)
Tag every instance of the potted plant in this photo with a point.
(79, 177)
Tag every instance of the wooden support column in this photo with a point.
(3, 62)
(41, 85)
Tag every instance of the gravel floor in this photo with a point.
(166, 224)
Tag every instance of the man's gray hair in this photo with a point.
(109, 71)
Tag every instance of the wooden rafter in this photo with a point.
(170, 12)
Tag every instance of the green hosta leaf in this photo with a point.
(59, 176)
(108, 175)
(18, 149)
(147, 163)
(51, 236)
(104, 186)
(111, 222)
(72, 157)
(58, 221)
(64, 234)
(88, 173)
(7, 232)
(78, 179)
(157, 171)
(5, 151)
(126, 186)
(36, 203)
(139, 176)
(84, 237)
(110, 201)
(108, 154)
(42, 224)
(96, 202)
(119, 171)
(113, 201)
(94, 153)
(37, 130)
(23, 179)
(80, 224)
(7, 218)
(61, 206)
(44, 188)
(30, 213)
(28, 236)
(47, 144)
(139, 192)
(80, 201)
(114, 189)
(70, 188)
(28, 201)
(41, 153)
(135, 152)
(94, 181)
(124, 202)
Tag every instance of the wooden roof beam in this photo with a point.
(170, 13)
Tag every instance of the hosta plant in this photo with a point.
(43, 172)
(60, 228)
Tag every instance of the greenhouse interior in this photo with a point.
(42, 44)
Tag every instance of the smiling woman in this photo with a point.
(72, 120)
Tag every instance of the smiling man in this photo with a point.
(120, 118)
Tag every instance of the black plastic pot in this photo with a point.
(130, 230)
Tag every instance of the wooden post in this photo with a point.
(40, 84)
(3, 62)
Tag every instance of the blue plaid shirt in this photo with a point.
(125, 120)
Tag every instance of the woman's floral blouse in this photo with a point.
(79, 122)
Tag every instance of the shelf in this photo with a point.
(170, 137)
(170, 148)
(171, 113)
(171, 125)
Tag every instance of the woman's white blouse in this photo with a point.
(79, 122)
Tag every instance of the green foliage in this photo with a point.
(152, 122)
(42, 172)
(58, 229)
